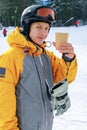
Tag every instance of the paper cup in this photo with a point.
(61, 37)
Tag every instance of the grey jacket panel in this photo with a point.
(34, 108)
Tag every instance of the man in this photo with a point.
(28, 73)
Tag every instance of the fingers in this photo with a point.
(65, 48)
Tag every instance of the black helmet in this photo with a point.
(36, 13)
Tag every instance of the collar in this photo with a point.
(18, 40)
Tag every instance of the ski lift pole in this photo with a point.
(68, 20)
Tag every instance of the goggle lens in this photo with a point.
(44, 12)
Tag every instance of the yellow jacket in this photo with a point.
(11, 67)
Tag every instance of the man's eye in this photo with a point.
(38, 27)
(46, 28)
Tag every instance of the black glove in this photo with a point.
(61, 100)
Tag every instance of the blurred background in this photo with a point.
(67, 11)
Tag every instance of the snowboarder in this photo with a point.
(77, 23)
(4, 32)
(28, 72)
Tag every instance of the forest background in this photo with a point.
(67, 11)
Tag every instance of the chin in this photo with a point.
(39, 42)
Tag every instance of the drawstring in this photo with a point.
(38, 47)
(26, 50)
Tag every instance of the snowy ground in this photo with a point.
(76, 117)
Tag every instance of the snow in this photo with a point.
(76, 117)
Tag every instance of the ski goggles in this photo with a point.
(45, 12)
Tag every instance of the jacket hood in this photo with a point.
(16, 39)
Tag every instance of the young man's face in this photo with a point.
(39, 32)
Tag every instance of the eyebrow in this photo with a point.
(42, 25)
